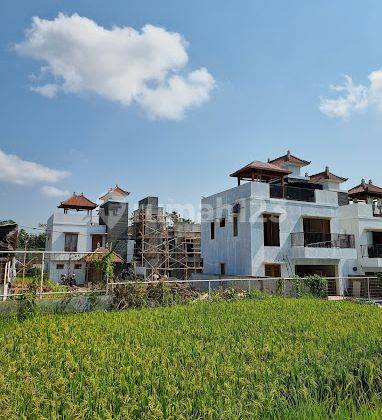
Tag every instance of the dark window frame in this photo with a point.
(271, 229)
(212, 231)
(68, 245)
(222, 222)
(60, 266)
(235, 225)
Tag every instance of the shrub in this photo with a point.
(315, 286)
(27, 305)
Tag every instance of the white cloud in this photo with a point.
(22, 172)
(353, 98)
(50, 191)
(120, 64)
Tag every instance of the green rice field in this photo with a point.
(270, 358)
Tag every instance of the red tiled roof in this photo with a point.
(365, 188)
(260, 168)
(326, 176)
(77, 202)
(291, 159)
(101, 252)
(116, 190)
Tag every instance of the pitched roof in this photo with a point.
(365, 189)
(326, 175)
(77, 202)
(289, 158)
(100, 253)
(117, 191)
(259, 168)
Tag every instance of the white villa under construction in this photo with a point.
(83, 227)
(283, 223)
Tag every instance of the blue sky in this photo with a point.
(270, 63)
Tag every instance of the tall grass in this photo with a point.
(271, 358)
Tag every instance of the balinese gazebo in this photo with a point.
(369, 193)
(261, 171)
(77, 202)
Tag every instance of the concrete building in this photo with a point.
(165, 244)
(80, 229)
(283, 223)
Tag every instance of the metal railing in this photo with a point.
(292, 193)
(371, 251)
(322, 240)
(367, 288)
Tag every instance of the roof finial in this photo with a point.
(327, 170)
(288, 152)
(370, 182)
(363, 182)
(269, 160)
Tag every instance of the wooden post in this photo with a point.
(5, 280)
(283, 186)
(238, 181)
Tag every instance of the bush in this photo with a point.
(314, 286)
(27, 306)
(138, 295)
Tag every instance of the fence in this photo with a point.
(48, 269)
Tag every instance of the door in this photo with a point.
(316, 231)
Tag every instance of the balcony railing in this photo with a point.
(371, 251)
(292, 193)
(322, 240)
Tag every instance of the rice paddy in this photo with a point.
(270, 358)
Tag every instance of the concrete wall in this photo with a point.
(246, 254)
(85, 225)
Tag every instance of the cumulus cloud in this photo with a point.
(22, 172)
(50, 191)
(353, 98)
(120, 64)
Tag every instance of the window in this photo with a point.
(235, 225)
(96, 242)
(71, 240)
(222, 269)
(60, 266)
(271, 230)
(189, 247)
(272, 270)
(212, 230)
(77, 266)
(222, 222)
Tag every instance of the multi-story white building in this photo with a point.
(282, 223)
(82, 228)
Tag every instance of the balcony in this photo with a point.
(371, 251)
(371, 257)
(292, 193)
(328, 246)
(322, 240)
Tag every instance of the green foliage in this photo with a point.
(314, 286)
(105, 265)
(138, 295)
(27, 305)
(274, 358)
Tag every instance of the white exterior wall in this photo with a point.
(358, 218)
(58, 224)
(246, 254)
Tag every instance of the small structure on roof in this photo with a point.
(288, 158)
(114, 192)
(327, 179)
(292, 163)
(365, 191)
(261, 171)
(77, 202)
